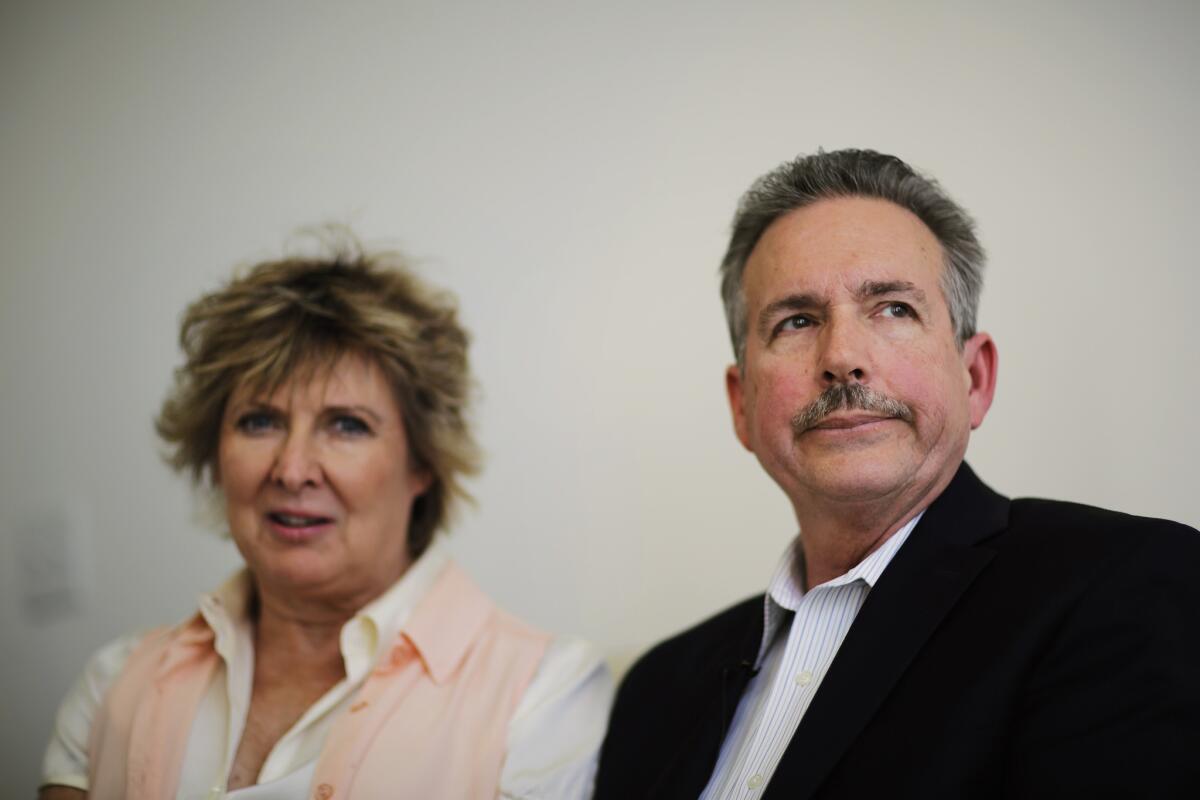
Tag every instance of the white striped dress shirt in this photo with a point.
(791, 667)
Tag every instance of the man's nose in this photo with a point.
(297, 463)
(844, 352)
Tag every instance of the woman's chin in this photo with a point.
(296, 573)
(306, 577)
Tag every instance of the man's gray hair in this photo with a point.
(854, 173)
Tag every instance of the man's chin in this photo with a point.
(858, 481)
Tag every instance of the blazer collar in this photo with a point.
(942, 556)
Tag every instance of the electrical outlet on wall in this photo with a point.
(53, 560)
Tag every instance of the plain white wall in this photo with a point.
(569, 170)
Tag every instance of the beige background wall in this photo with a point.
(570, 171)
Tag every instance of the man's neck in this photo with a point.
(837, 536)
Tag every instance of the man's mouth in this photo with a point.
(845, 422)
(849, 398)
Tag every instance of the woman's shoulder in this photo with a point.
(556, 731)
(572, 671)
(573, 658)
(107, 662)
(102, 670)
(65, 762)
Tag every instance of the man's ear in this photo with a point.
(736, 391)
(981, 360)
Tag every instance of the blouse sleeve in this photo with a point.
(554, 736)
(66, 759)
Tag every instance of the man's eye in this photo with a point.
(349, 424)
(255, 422)
(793, 323)
(898, 310)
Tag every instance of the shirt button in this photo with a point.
(804, 678)
(324, 792)
(755, 781)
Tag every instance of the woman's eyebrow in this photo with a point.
(363, 410)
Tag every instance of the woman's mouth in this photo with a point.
(294, 527)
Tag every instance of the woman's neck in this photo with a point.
(289, 633)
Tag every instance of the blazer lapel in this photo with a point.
(925, 579)
(721, 682)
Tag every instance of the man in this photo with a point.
(923, 636)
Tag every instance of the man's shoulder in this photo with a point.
(667, 699)
(687, 668)
(1067, 549)
(712, 643)
(968, 504)
(1078, 526)
(1083, 518)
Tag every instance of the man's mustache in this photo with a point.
(848, 396)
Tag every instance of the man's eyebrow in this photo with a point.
(793, 302)
(876, 288)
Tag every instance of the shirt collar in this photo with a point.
(226, 612)
(786, 589)
(378, 623)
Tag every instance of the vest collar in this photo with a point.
(444, 625)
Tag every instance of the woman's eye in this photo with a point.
(350, 425)
(255, 422)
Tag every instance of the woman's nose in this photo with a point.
(297, 464)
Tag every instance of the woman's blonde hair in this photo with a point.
(291, 318)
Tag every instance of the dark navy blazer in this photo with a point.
(1012, 648)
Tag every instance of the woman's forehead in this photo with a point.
(346, 378)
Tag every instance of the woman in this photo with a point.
(324, 400)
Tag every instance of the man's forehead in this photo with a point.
(850, 216)
(838, 244)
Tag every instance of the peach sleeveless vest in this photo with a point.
(430, 721)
